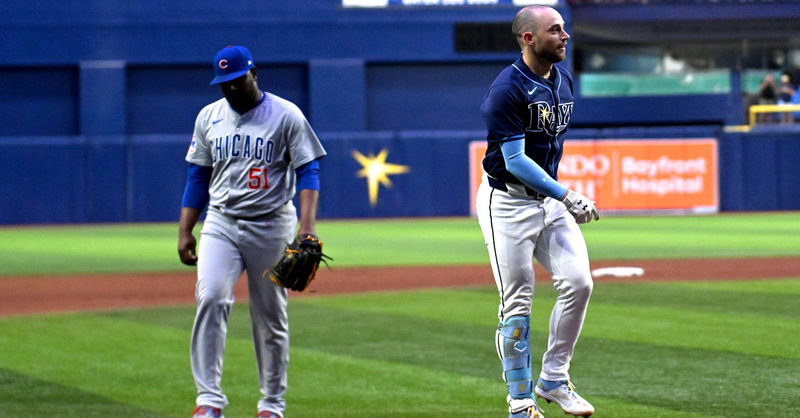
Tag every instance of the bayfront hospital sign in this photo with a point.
(634, 174)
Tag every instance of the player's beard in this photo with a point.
(553, 55)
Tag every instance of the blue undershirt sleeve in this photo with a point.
(195, 195)
(308, 176)
(528, 172)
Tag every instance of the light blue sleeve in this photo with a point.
(528, 172)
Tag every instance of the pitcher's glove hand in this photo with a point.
(298, 265)
(581, 208)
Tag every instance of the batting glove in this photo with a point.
(580, 207)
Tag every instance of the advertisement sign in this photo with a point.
(633, 174)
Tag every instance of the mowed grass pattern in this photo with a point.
(677, 349)
(382, 242)
(705, 349)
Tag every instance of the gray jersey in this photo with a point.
(253, 155)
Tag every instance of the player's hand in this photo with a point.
(580, 207)
(187, 246)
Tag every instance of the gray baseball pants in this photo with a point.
(227, 248)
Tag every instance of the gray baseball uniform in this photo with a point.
(250, 219)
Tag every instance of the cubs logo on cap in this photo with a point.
(231, 62)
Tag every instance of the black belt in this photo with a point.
(499, 185)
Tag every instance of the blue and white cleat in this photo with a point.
(563, 393)
(523, 408)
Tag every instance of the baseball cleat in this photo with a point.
(523, 408)
(204, 411)
(267, 414)
(563, 394)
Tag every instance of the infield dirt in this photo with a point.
(41, 294)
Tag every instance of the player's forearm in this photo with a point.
(308, 211)
(188, 219)
(528, 172)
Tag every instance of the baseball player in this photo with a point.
(525, 213)
(249, 153)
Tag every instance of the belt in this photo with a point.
(257, 218)
(512, 188)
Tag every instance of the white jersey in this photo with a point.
(253, 155)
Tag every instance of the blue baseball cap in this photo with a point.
(231, 62)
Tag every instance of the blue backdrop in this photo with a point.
(141, 177)
(99, 98)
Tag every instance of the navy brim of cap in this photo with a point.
(228, 77)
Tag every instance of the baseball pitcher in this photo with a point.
(250, 152)
(525, 213)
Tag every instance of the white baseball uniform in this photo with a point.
(518, 229)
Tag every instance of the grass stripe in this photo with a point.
(661, 373)
(430, 353)
(767, 287)
(709, 382)
(724, 235)
(476, 305)
(384, 388)
(775, 299)
(133, 363)
(743, 333)
(23, 396)
(383, 242)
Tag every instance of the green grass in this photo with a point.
(669, 349)
(678, 349)
(442, 241)
(714, 236)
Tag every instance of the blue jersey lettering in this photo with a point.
(246, 146)
(217, 149)
(237, 147)
(234, 151)
(270, 147)
(259, 151)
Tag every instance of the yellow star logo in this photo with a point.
(377, 171)
(545, 115)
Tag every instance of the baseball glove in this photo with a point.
(298, 265)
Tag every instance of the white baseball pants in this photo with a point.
(518, 228)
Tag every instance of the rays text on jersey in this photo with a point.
(551, 119)
(241, 146)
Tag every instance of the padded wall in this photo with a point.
(141, 177)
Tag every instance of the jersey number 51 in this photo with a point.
(258, 178)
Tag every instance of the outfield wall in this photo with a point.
(141, 177)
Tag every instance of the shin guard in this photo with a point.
(514, 350)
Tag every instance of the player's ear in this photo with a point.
(255, 73)
(527, 37)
